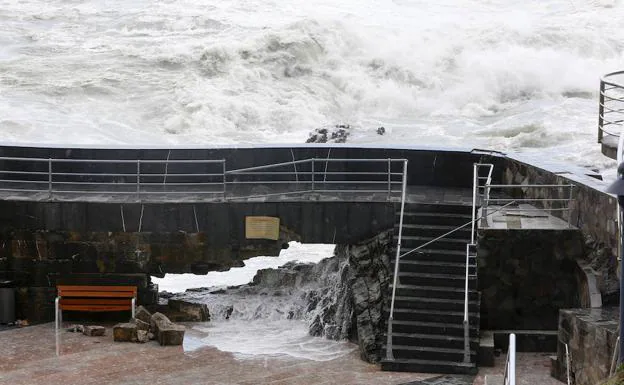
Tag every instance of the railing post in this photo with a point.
(601, 111)
(570, 206)
(224, 179)
(138, 180)
(512, 359)
(313, 159)
(389, 179)
(475, 184)
(389, 354)
(49, 178)
(466, 321)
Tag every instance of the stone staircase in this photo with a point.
(428, 330)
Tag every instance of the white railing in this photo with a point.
(611, 106)
(510, 364)
(195, 179)
(478, 183)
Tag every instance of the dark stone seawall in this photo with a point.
(594, 212)
(526, 276)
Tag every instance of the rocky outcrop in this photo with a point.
(158, 327)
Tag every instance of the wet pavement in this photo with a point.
(32, 355)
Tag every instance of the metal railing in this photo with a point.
(510, 364)
(195, 179)
(560, 200)
(611, 106)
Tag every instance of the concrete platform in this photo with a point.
(521, 217)
(32, 356)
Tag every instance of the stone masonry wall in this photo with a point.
(593, 212)
(526, 276)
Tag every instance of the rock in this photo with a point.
(125, 332)
(381, 130)
(75, 329)
(151, 336)
(143, 314)
(336, 134)
(142, 336)
(141, 325)
(94, 331)
(196, 312)
(229, 311)
(171, 335)
(158, 321)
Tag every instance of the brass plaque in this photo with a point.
(262, 228)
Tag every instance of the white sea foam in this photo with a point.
(447, 72)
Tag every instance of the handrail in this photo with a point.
(610, 106)
(510, 364)
(475, 190)
(567, 363)
(389, 353)
(195, 179)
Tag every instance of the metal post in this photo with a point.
(224, 179)
(389, 354)
(601, 111)
(389, 178)
(313, 159)
(621, 229)
(138, 179)
(570, 206)
(475, 183)
(512, 359)
(466, 322)
(49, 178)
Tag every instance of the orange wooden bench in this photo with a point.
(94, 298)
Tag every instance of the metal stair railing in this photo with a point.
(611, 106)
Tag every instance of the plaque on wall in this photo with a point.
(262, 228)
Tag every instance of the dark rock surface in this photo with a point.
(333, 134)
(196, 312)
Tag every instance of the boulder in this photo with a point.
(94, 331)
(125, 332)
(143, 314)
(142, 336)
(171, 334)
(141, 325)
(194, 312)
(157, 321)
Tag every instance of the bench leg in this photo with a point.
(57, 314)
(133, 307)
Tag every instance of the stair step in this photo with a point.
(434, 292)
(428, 366)
(434, 304)
(412, 242)
(433, 231)
(433, 340)
(428, 254)
(455, 268)
(429, 315)
(433, 218)
(428, 279)
(431, 353)
(449, 329)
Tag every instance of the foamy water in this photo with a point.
(502, 74)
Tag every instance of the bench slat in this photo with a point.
(94, 301)
(96, 294)
(96, 308)
(108, 289)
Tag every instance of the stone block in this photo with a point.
(157, 321)
(143, 314)
(141, 325)
(94, 331)
(125, 332)
(195, 312)
(142, 336)
(171, 335)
